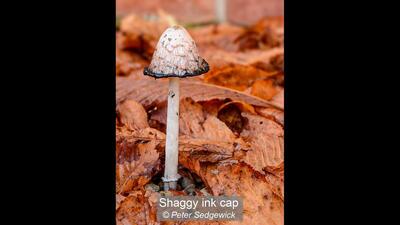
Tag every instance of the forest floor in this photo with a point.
(231, 120)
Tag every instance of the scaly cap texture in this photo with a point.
(176, 55)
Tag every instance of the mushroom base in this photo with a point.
(170, 185)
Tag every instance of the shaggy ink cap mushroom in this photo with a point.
(176, 55)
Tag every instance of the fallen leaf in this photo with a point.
(277, 62)
(135, 210)
(127, 62)
(243, 106)
(278, 99)
(119, 198)
(265, 89)
(141, 34)
(213, 106)
(266, 139)
(194, 122)
(237, 77)
(132, 115)
(137, 160)
(230, 114)
(272, 114)
(151, 93)
(216, 36)
(257, 58)
(275, 176)
(266, 33)
(261, 205)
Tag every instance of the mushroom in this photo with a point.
(175, 57)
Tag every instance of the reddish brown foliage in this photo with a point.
(231, 121)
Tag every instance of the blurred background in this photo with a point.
(242, 40)
(243, 12)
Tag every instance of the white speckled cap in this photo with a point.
(176, 55)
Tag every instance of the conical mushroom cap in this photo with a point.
(176, 55)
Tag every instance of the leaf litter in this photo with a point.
(231, 121)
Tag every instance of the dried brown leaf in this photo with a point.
(239, 179)
(137, 159)
(272, 114)
(237, 77)
(257, 58)
(275, 176)
(277, 62)
(132, 115)
(194, 122)
(265, 89)
(266, 33)
(230, 114)
(216, 36)
(151, 93)
(266, 139)
(128, 62)
(141, 34)
(278, 99)
(136, 209)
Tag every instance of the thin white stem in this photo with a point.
(171, 175)
(220, 7)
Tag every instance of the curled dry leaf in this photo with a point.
(212, 106)
(141, 34)
(216, 36)
(272, 114)
(118, 198)
(275, 176)
(152, 92)
(132, 115)
(243, 106)
(212, 151)
(278, 99)
(124, 68)
(277, 62)
(206, 136)
(194, 122)
(237, 77)
(127, 62)
(137, 159)
(239, 179)
(266, 33)
(258, 58)
(136, 209)
(230, 114)
(265, 89)
(266, 139)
